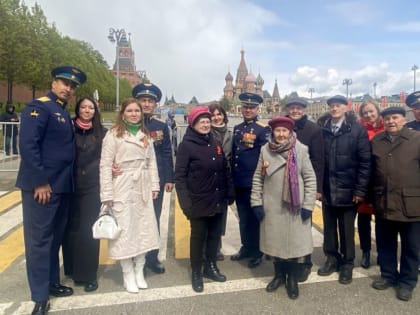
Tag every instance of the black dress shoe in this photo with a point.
(304, 273)
(328, 268)
(212, 272)
(41, 308)
(91, 286)
(254, 262)
(242, 254)
(346, 275)
(197, 281)
(404, 294)
(382, 284)
(59, 290)
(365, 263)
(156, 267)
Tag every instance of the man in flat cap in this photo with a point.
(413, 101)
(45, 177)
(149, 96)
(346, 180)
(310, 135)
(396, 177)
(248, 138)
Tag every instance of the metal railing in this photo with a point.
(9, 153)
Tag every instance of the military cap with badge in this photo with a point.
(250, 99)
(413, 99)
(69, 73)
(147, 90)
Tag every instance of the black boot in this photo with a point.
(365, 263)
(279, 277)
(41, 308)
(292, 271)
(197, 280)
(212, 272)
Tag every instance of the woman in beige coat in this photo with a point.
(283, 197)
(128, 146)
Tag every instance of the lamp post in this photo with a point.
(347, 82)
(114, 37)
(374, 89)
(311, 90)
(414, 68)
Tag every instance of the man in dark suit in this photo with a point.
(45, 177)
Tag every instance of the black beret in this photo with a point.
(296, 101)
(393, 110)
(337, 99)
(413, 99)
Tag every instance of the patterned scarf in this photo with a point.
(83, 125)
(290, 193)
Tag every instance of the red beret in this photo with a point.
(197, 112)
(282, 121)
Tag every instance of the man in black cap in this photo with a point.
(310, 135)
(45, 177)
(149, 95)
(248, 138)
(396, 178)
(413, 101)
(346, 179)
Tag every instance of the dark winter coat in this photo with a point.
(202, 180)
(396, 176)
(310, 135)
(347, 161)
(9, 116)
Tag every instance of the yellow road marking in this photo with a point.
(11, 248)
(182, 233)
(9, 200)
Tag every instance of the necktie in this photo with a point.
(334, 129)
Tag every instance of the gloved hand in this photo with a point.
(305, 214)
(259, 212)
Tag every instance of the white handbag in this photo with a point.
(105, 226)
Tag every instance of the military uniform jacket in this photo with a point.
(414, 124)
(46, 145)
(397, 176)
(159, 132)
(248, 138)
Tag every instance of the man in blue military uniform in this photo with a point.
(45, 177)
(413, 101)
(248, 138)
(149, 95)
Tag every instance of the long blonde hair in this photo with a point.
(120, 126)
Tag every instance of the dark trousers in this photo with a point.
(249, 226)
(80, 249)
(387, 245)
(364, 229)
(43, 227)
(343, 218)
(8, 140)
(152, 256)
(205, 237)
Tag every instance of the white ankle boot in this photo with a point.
(128, 275)
(139, 262)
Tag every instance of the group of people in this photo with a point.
(274, 173)
(71, 167)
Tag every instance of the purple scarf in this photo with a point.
(290, 193)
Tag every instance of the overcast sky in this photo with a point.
(188, 46)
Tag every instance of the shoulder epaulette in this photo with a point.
(43, 99)
(261, 123)
(158, 119)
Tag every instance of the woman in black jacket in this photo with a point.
(80, 250)
(204, 189)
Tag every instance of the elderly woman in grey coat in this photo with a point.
(283, 197)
